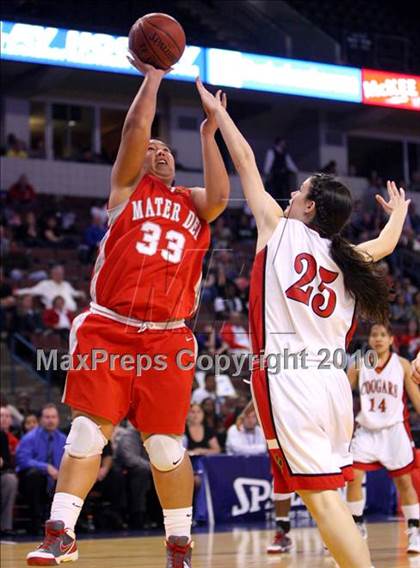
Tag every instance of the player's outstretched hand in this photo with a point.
(145, 68)
(397, 200)
(211, 103)
(415, 365)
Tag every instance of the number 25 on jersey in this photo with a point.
(324, 301)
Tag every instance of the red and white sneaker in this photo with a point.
(281, 543)
(178, 552)
(59, 545)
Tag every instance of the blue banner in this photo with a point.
(239, 489)
(288, 76)
(84, 50)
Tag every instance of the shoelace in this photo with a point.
(178, 554)
(49, 540)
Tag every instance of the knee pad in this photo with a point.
(85, 438)
(165, 452)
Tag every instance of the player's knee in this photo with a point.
(165, 452)
(403, 483)
(85, 438)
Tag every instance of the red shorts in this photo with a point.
(119, 372)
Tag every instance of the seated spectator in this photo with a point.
(16, 414)
(209, 290)
(5, 426)
(57, 317)
(209, 341)
(55, 286)
(222, 235)
(375, 187)
(245, 231)
(199, 439)
(246, 439)
(51, 233)
(415, 308)
(400, 311)
(8, 488)
(208, 391)
(131, 455)
(92, 237)
(30, 422)
(414, 217)
(408, 343)
(7, 303)
(15, 147)
(28, 232)
(26, 319)
(228, 300)
(38, 459)
(213, 420)
(21, 192)
(235, 335)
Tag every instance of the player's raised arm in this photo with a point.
(410, 386)
(265, 209)
(136, 133)
(211, 200)
(397, 208)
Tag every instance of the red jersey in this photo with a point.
(150, 260)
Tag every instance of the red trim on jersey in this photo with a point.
(257, 302)
(373, 466)
(378, 370)
(352, 328)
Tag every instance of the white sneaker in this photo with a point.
(413, 540)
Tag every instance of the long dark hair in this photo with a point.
(362, 278)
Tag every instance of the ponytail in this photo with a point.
(363, 279)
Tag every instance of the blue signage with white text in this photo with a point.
(84, 50)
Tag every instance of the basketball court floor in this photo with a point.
(239, 548)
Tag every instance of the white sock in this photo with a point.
(356, 507)
(411, 512)
(66, 507)
(178, 522)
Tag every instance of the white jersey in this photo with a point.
(382, 395)
(298, 301)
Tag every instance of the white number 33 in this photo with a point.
(150, 242)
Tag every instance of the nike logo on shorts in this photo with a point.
(177, 461)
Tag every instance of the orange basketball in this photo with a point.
(157, 39)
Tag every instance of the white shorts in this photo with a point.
(392, 448)
(307, 418)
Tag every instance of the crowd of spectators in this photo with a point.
(40, 299)
(32, 445)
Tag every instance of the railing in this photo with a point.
(17, 340)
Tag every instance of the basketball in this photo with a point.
(157, 39)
